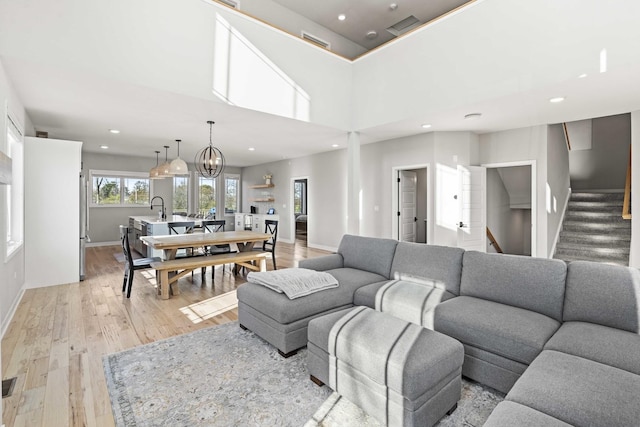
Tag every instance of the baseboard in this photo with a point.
(97, 244)
(12, 311)
(322, 247)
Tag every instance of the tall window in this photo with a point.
(15, 191)
(180, 193)
(231, 193)
(300, 196)
(207, 196)
(113, 188)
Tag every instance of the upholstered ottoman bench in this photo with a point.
(398, 372)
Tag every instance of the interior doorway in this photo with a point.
(410, 201)
(511, 207)
(300, 205)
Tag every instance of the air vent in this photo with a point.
(315, 40)
(7, 387)
(231, 3)
(408, 23)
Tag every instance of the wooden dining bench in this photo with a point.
(253, 260)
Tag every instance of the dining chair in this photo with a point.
(269, 245)
(215, 226)
(182, 227)
(131, 264)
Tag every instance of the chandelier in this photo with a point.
(210, 160)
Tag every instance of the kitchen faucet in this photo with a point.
(164, 212)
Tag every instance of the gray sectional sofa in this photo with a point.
(563, 341)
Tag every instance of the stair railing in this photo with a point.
(626, 205)
(493, 241)
(566, 135)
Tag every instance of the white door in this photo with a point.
(472, 200)
(408, 202)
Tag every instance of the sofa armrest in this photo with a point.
(323, 263)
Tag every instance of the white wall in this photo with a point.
(12, 270)
(327, 195)
(558, 183)
(634, 256)
(177, 54)
(518, 145)
(498, 211)
(603, 165)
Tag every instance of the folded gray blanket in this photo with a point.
(294, 282)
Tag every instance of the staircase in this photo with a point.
(593, 229)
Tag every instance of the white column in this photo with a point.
(354, 191)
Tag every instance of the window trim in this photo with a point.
(173, 192)
(11, 125)
(238, 209)
(122, 175)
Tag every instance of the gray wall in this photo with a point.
(604, 166)
(498, 210)
(558, 183)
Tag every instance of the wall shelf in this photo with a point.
(262, 186)
(269, 199)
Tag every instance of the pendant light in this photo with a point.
(165, 168)
(178, 166)
(155, 171)
(210, 160)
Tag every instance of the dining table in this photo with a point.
(170, 244)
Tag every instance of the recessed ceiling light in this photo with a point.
(426, 126)
(472, 116)
(114, 131)
(372, 35)
(582, 76)
(252, 149)
(335, 145)
(342, 17)
(557, 99)
(104, 147)
(393, 6)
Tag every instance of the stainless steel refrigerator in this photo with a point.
(84, 222)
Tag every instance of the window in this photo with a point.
(181, 194)
(231, 193)
(15, 191)
(207, 196)
(300, 196)
(112, 188)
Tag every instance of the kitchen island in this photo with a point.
(152, 225)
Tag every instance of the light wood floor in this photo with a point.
(56, 340)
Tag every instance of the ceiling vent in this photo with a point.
(401, 27)
(231, 3)
(315, 40)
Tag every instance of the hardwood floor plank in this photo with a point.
(58, 336)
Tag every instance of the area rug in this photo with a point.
(226, 376)
(474, 407)
(219, 376)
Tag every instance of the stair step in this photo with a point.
(623, 262)
(595, 216)
(613, 207)
(617, 227)
(595, 239)
(575, 248)
(592, 197)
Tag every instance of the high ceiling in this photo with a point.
(81, 69)
(361, 17)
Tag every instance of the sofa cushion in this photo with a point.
(507, 331)
(603, 344)
(438, 266)
(605, 294)
(368, 253)
(579, 391)
(366, 295)
(510, 414)
(534, 284)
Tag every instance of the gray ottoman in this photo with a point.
(398, 372)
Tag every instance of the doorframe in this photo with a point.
(534, 196)
(292, 225)
(394, 199)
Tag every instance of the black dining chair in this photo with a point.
(215, 226)
(182, 227)
(131, 264)
(270, 227)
